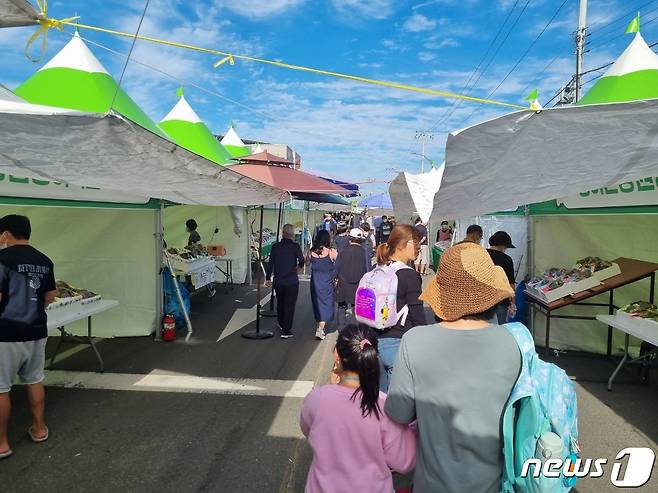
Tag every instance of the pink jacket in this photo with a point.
(353, 453)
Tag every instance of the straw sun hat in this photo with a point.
(467, 283)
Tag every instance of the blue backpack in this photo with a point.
(542, 400)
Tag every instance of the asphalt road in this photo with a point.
(190, 435)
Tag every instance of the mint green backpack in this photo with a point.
(542, 400)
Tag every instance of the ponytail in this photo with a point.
(383, 254)
(357, 349)
(400, 235)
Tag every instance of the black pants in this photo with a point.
(286, 299)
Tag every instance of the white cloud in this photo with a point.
(374, 9)
(425, 56)
(418, 23)
(259, 9)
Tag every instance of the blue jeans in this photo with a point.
(388, 353)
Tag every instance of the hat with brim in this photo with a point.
(501, 238)
(356, 234)
(467, 283)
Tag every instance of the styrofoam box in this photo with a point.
(71, 305)
(93, 299)
(555, 294)
(644, 323)
(182, 265)
(584, 285)
(611, 271)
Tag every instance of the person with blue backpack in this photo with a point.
(484, 402)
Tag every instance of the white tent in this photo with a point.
(528, 157)
(110, 152)
(413, 195)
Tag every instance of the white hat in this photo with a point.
(357, 233)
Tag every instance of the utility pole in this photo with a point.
(580, 44)
(423, 136)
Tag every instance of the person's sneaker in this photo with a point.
(319, 334)
(286, 335)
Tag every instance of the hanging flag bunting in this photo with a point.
(634, 26)
(179, 92)
(532, 96)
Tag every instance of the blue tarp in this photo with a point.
(380, 201)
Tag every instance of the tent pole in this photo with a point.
(258, 334)
(159, 262)
(271, 312)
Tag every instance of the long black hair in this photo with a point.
(322, 240)
(357, 350)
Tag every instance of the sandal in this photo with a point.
(35, 438)
(6, 453)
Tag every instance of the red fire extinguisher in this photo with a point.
(168, 328)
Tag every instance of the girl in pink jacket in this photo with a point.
(355, 444)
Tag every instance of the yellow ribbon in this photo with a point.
(231, 57)
(45, 24)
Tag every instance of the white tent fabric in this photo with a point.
(15, 13)
(528, 157)
(413, 195)
(112, 153)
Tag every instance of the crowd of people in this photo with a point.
(383, 413)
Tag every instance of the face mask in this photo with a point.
(444, 227)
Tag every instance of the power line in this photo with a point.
(606, 27)
(467, 88)
(525, 53)
(531, 46)
(609, 39)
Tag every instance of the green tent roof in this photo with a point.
(234, 144)
(633, 77)
(186, 128)
(75, 79)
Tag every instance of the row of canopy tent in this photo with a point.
(71, 123)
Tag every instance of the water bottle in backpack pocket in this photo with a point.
(375, 304)
(540, 424)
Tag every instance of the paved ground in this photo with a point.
(151, 424)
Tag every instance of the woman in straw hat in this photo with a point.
(456, 376)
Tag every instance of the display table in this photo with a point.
(228, 273)
(630, 328)
(60, 320)
(631, 271)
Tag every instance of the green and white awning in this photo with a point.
(75, 79)
(234, 144)
(633, 77)
(188, 130)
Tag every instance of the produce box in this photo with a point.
(611, 271)
(583, 285)
(644, 323)
(64, 306)
(189, 265)
(553, 295)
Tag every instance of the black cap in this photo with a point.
(500, 238)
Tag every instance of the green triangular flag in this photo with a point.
(634, 26)
(532, 96)
(179, 92)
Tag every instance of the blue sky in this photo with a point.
(350, 130)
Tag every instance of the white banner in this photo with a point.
(32, 188)
(631, 193)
